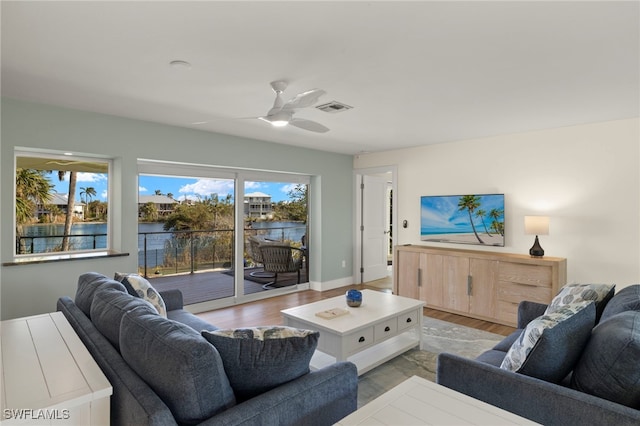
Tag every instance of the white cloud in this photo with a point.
(90, 177)
(207, 187)
(142, 189)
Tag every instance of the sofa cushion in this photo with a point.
(178, 364)
(551, 344)
(261, 358)
(138, 286)
(88, 284)
(627, 299)
(109, 306)
(505, 344)
(608, 367)
(600, 294)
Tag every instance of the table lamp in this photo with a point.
(536, 225)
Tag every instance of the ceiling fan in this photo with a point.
(281, 114)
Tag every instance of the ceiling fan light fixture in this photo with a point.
(279, 119)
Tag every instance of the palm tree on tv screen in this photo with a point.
(470, 203)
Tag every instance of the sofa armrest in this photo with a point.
(528, 311)
(319, 398)
(534, 399)
(172, 299)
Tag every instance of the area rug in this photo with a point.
(437, 336)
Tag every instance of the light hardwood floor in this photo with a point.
(267, 312)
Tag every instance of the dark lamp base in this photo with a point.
(536, 250)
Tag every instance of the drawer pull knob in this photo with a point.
(408, 320)
(387, 328)
(361, 339)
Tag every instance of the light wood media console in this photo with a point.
(479, 284)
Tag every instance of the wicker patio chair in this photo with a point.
(281, 258)
(253, 248)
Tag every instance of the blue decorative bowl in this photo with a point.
(354, 298)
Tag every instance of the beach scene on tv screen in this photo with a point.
(465, 219)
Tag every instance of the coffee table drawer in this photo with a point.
(385, 329)
(356, 341)
(410, 319)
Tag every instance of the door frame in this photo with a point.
(357, 209)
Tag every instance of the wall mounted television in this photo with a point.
(464, 219)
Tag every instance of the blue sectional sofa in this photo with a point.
(163, 371)
(602, 387)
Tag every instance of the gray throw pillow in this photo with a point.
(608, 367)
(178, 364)
(88, 284)
(550, 345)
(627, 299)
(109, 306)
(259, 359)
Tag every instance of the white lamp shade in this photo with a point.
(536, 225)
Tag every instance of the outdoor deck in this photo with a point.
(211, 285)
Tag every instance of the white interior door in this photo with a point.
(374, 232)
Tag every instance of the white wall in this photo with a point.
(586, 178)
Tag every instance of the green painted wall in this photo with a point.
(32, 289)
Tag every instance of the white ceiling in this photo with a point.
(415, 72)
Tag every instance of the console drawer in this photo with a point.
(357, 341)
(385, 329)
(410, 319)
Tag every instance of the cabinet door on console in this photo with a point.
(484, 274)
(455, 274)
(408, 274)
(433, 280)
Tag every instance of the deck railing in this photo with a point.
(173, 252)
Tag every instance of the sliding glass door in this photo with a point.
(194, 236)
(275, 214)
(186, 229)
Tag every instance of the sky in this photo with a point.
(181, 188)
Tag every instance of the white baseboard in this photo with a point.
(330, 285)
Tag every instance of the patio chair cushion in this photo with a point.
(138, 286)
(178, 364)
(259, 359)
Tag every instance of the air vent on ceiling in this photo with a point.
(333, 106)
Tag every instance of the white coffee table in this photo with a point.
(383, 327)
(417, 401)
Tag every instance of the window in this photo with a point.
(62, 204)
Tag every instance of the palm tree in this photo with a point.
(32, 188)
(158, 192)
(496, 214)
(470, 203)
(89, 192)
(71, 201)
(481, 214)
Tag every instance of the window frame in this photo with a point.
(70, 254)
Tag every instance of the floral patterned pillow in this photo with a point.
(258, 359)
(600, 294)
(551, 344)
(138, 286)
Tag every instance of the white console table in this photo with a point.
(48, 375)
(417, 401)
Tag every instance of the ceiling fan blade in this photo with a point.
(308, 125)
(304, 99)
